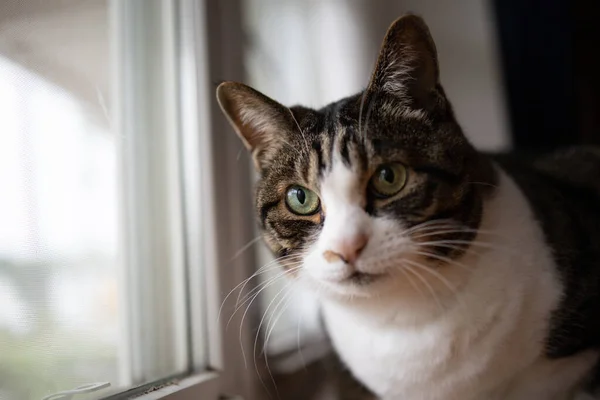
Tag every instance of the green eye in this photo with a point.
(302, 201)
(388, 180)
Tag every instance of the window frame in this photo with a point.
(216, 215)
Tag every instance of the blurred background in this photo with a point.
(521, 74)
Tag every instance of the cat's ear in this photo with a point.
(262, 123)
(407, 65)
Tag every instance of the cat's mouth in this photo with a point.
(363, 278)
(355, 283)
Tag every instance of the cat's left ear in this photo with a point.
(407, 66)
(261, 123)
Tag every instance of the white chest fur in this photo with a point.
(488, 342)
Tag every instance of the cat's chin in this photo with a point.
(359, 285)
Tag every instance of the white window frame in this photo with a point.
(214, 215)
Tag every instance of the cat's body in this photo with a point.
(445, 273)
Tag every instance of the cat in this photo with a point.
(444, 273)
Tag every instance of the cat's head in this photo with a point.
(376, 193)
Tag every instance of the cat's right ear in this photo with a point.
(407, 66)
(261, 122)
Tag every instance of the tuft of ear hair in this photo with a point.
(407, 65)
(261, 123)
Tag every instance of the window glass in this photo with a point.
(92, 265)
(59, 298)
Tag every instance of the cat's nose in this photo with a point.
(347, 250)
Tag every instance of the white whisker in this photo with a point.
(246, 312)
(433, 222)
(441, 232)
(243, 284)
(274, 318)
(483, 184)
(412, 283)
(449, 230)
(442, 258)
(437, 300)
(265, 312)
(245, 247)
(448, 242)
(301, 132)
(433, 272)
(259, 288)
(276, 263)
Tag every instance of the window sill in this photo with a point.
(204, 385)
(201, 386)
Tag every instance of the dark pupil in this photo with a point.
(387, 175)
(301, 196)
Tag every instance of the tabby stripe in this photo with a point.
(284, 251)
(344, 150)
(332, 140)
(416, 201)
(469, 214)
(362, 155)
(332, 133)
(466, 204)
(429, 194)
(293, 230)
(264, 211)
(319, 151)
(303, 170)
(438, 173)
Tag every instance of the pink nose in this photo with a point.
(347, 250)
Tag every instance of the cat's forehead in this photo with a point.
(380, 122)
(363, 134)
(380, 127)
